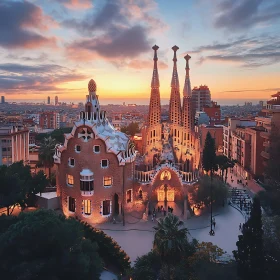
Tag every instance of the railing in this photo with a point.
(143, 176)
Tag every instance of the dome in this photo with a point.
(92, 86)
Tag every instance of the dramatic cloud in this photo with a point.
(240, 14)
(119, 30)
(248, 52)
(141, 64)
(75, 4)
(20, 23)
(21, 79)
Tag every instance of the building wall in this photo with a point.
(87, 159)
(216, 132)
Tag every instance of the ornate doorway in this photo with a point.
(165, 193)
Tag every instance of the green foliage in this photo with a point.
(43, 245)
(108, 249)
(46, 152)
(270, 201)
(57, 134)
(131, 129)
(147, 267)
(209, 154)
(250, 251)
(18, 186)
(201, 193)
(170, 239)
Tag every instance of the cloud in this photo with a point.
(240, 14)
(119, 30)
(76, 4)
(247, 52)
(141, 64)
(20, 24)
(20, 79)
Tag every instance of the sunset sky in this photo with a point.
(53, 47)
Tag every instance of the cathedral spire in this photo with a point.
(154, 108)
(187, 110)
(175, 79)
(155, 79)
(175, 100)
(187, 87)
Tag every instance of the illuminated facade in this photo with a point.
(95, 167)
(171, 155)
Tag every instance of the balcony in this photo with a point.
(265, 135)
(265, 154)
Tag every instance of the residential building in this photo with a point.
(213, 112)
(49, 120)
(201, 97)
(56, 101)
(2, 99)
(14, 143)
(49, 100)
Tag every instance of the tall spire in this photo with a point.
(175, 100)
(175, 79)
(187, 110)
(187, 87)
(155, 79)
(154, 109)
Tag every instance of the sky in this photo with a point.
(54, 47)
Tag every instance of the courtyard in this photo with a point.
(136, 237)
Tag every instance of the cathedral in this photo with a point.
(100, 176)
(171, 148)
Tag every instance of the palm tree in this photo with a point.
(46, 152)
(170, 239)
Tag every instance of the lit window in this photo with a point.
(70, 180)
(71, 204)
(87, 206)
(106, 207)
(107, 181)
(96, 149)
(71, 162)
(128, 196)
(104, 163)
(78, 148)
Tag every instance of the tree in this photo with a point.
(18, 186)
(221, 161)
(201, 194)
(209, 165)
(170, 239)
(250, 251)
(46, 152)
(131, 129)
(42, 245)
(57, 134)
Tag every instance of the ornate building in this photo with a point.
(98, 173)
(95, 166)
(171, 148)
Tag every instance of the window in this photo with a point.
(104, 163)
(86, 186)
(87, 206)
(106, 205)
(71, 162)
(128, 196)
(70, 180)
(78, 148)
(96, 149)
(71, 204)
(107, 181)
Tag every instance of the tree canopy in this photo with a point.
(131, 129)
(18, 186)
(42, 245)
(209, 154)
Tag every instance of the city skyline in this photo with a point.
(54, 49)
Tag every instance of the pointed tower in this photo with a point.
(175, 101)
(187, 113)
(154, 108)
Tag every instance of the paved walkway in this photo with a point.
(137, 239)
